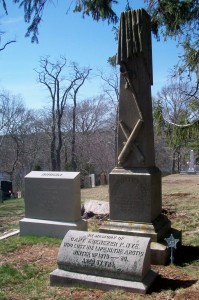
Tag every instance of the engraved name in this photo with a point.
(51, 174)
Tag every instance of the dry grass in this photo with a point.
(97, 193)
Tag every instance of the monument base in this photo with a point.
(155, 230)
(48, 228)
(65, 278)
(135, 194)
(159, 229)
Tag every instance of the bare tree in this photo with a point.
(93, 114)
(111, 89)
(16, 127)
(10, 107)
(94, 138)
(83, 75)
(175, 118)
(61, 79)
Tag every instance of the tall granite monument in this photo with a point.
(135, 182)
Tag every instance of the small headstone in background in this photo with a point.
(19, 194)
(103, 179)
(87, 181)
(52, 204)
(191, 169)
(92, 176)
(104, 261)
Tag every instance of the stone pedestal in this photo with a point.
(135, 208)
(135, 195)
(49, 228)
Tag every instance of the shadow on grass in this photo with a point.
(162, 284)
(186, 255)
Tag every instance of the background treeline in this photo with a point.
(73, 135)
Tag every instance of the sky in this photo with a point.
(84, 41)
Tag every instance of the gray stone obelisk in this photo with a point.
(135, 183)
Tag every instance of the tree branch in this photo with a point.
(6, 44)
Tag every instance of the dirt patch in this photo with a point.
(32, 254)
(178, 195)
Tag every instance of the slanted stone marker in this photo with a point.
(104, 261)
(52, 204)
(135, 182)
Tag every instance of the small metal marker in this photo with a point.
(171, 243)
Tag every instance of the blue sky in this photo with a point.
(81, 40)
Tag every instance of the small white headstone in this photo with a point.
(92, 176)
(191, 169)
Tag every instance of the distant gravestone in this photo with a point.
(89, 181)
(104, 261)
(192, 169)
(103, 179)
(92, 176)
(19, 195)
(52, 204)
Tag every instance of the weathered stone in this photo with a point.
(105, 261)
(135, 195)
(96, 207)
(52, 204)
(155, 230)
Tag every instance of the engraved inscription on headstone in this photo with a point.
(108, 256)
(91, 252)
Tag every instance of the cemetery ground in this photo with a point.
(25, 262)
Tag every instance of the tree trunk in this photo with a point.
(173, 162)
(73, 162)
(59, 146)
